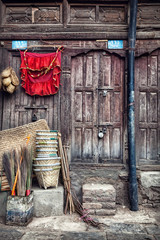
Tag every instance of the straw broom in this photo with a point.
(17, 156)
(8, 165)
(23, 171)
(21, 158)
(12, 167)
(29, 171)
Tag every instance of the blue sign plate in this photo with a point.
(115, 44)
(19, 44)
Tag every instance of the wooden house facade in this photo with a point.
(90, 109)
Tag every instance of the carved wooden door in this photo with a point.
(148, 108)
(97, 107)
(20, 108)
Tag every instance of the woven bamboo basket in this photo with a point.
(48, 177)
(46, 143)
(40, 155)
(42, 146)
(43, 134)
(46, 152)
(45, 166)
(44, 131)
(41, 140)
(20, 134)
(49, 160)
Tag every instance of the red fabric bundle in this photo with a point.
(40, 73)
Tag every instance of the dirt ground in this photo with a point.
(125, 224)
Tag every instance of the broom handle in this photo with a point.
(15, 181)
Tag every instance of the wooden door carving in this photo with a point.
(97, 107)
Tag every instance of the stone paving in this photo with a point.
(124, 225)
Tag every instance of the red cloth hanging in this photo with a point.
(40, 73)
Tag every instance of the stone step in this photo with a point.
(48, 202)
(99, 199)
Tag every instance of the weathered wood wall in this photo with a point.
(76, 19)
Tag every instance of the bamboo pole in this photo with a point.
(66, 176)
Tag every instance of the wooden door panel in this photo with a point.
(84, 107)
(152, 70)
(148, 106)
(117, 102)
(110, 119)
(88, 107)
(97, 105)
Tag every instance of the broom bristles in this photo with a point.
(23, 171)
(7, 167)
(29, 168)
(17, 156)
(12, 168)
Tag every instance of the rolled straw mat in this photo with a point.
(14, 137)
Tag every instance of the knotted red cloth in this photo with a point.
(40, 73)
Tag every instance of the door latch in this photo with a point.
(100, 134)
(104, 93)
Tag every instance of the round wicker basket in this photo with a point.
(46, 166)
(47, 177)
(49, 160)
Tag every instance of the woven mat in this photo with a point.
(14, 137)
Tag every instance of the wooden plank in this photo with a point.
(107, 145)
(78, 146)
(65, 99)
(88, 114)
(58, 28)
(78, 68)
(78, 106)
(143, 144)
(152, 71)
(107, 70)
(50, 34)
(105, 110)
(87, 144)
(149, 167)
(89, 71)
(117, 101)
(153, 108)
(116, 70)
(153, 147)
(116, 144)
(143, 71)
(142, 107)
